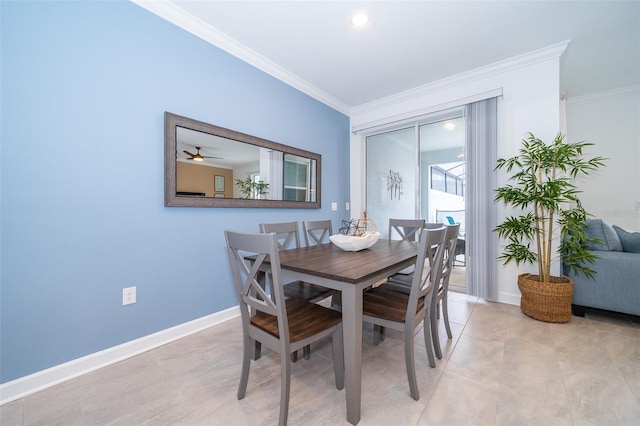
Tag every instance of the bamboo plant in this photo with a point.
(542, 188)
(251, 188)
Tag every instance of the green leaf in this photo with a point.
(541, 185)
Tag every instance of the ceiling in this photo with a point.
(225, 153)
(312, 45)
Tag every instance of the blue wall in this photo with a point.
(84, 89)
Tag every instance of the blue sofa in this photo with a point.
(616, 285)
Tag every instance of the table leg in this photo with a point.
(352, 325)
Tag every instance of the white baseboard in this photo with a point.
(509, 298)
(32, 383)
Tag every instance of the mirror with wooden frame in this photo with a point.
(210, 166)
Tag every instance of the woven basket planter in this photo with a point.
(550, 302)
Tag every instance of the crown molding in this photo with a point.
(620, 92)
(516, 62)
(177, 16)
(413, 116)
(172, 13)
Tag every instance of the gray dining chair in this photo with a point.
(407, 230)
(451, 239)
(317, 231)
(401, 283)
(288, 237)
(402, 280)
(386, 307)
(453, 217)
(283, 325)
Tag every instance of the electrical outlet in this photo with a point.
(346, 207)
(334, 206)
(128, 296)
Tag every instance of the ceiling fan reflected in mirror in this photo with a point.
(197, 156)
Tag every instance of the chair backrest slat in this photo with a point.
(249, 274)
(431, 246)
(287, 234)
(455, 216)
(451, 239)
(317, 231)
(407, 229)
(247, 254)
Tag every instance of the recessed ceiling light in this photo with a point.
(360, 19)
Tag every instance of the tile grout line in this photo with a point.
(446, 362)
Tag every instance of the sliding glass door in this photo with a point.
(444, 185)
(391, 177)
(440, 167)
(419, 172)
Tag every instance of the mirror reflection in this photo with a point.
(210, 166)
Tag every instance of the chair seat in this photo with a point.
(406, 271)
(400, 282)
(386, 303)
(306, 291)
(305, 319)
(399, 286)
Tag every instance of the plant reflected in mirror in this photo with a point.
(252, 188)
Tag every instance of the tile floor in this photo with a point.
(500, 368)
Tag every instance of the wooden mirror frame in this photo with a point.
(172, 121)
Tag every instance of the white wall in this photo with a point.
(530, 103)
(611, 121)
(443, 201)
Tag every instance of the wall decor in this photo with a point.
(219, 183)
(394, 184)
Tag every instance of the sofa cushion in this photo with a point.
(597, 228)
(630, 240)
(614, 287)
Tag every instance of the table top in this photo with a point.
(331, 262)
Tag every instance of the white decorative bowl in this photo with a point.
(353, 243)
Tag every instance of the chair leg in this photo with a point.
(306, 351)
(376, 334)
(338, 356)
(336, 301)
(257, 349)
(445, 315)
(246, 361)
(433, 323)
(410, 363)
(427, 342)
(285, 384)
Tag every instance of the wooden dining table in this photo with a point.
(350, 272)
